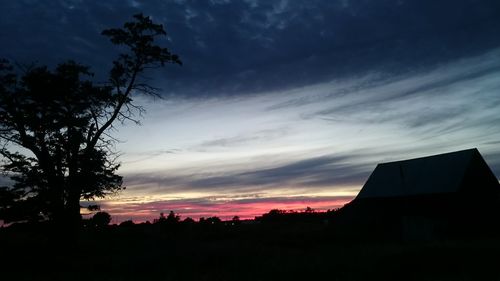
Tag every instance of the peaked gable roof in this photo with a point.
(443, 173)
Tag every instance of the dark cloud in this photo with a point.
(326, 171)
(229, 141)
(445, 100)
(320, 171)
(493, 160)
(147, 155)
(332, 171)
(258, 136)
(233, 47)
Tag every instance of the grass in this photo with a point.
(241, 252)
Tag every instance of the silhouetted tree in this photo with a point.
(188, 220)
(161, 219)
(235, 220)
(274, 215)
(171, 218)
(101, 219)
(212, 220)
(55, 126)
(127, 223)
(309, 210)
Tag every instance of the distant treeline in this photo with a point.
(103, 219)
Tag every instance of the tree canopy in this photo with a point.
(55, 139)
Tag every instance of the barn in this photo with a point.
(428, 197)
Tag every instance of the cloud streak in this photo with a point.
(326, 136)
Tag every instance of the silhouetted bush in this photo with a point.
(291, 217)
(210, 221)
(127, 223)
(101, 219)
(171, 219)
(188, 220)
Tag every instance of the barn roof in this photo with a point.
(443, 173)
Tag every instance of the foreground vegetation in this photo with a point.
(307, 249)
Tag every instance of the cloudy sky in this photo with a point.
(281, 104)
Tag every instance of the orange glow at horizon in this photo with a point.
(224, 210)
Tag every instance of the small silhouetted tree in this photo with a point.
(127, 223)
(213, 220)
(273, 215)
(235, 220)
(188, 220)
(161, 219)
(173, 218)
(55, 126)
(101, 219)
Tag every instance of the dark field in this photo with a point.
(280, 251)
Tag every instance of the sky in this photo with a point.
(281, 104)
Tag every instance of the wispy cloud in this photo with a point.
(243, 47)
(326, 136)
(245, 139)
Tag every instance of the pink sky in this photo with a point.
(224, 209)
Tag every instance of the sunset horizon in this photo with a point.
(281, 104)
(188, 140)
